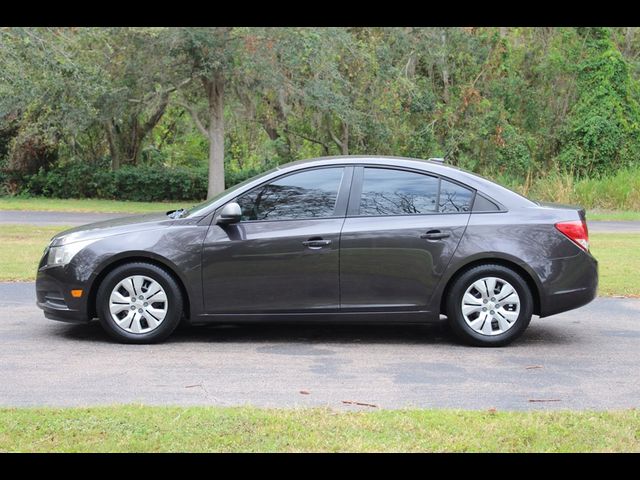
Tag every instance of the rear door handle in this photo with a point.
(316, 243)
(434, 235)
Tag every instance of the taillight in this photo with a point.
(576, 231)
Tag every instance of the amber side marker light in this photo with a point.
(76, 293)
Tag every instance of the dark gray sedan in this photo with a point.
(372, 239)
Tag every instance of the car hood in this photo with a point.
(116, 226)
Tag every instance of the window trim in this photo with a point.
(339, 209)
(358, 179)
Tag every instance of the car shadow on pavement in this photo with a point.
(435, 333)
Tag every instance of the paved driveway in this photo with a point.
(585, 359)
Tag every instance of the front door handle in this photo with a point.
(434, 235)
(316, 243)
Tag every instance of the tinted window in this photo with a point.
(482, 204)
(454, 198)
(396, 192)
(309, 194)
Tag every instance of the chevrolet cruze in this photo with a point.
(373, 239)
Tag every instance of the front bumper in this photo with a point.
(53, 293)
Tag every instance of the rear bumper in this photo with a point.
(574, 285)
(53, 292)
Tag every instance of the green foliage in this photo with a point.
(514, 102)
(144, 183)
(603, 128)
(77, 180)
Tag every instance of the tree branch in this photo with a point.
(313, 140)
(333, 136)
(196, 118)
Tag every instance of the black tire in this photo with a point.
(454, 306)
(174, 300)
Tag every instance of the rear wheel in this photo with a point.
(139, 303)
(489, 305)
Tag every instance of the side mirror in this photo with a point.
(231, 213)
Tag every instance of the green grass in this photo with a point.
(618, 257)
(617, 254)
(22, 247)
(138, 428)
(613, 215)
(89, 205)
(619, 191)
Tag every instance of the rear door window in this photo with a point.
(399, 192)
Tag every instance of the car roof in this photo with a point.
(503, 195)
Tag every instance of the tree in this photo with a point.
(206, 55)
(603, 127)
(141, 81)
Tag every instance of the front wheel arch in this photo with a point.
(93, 292)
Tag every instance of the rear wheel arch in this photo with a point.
(93, 291)
(525, 274)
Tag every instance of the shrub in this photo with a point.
(142, 183)
(76, 180)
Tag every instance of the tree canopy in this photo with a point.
(516, 101)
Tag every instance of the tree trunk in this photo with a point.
(345, 138)
(444, 66)
(214, 87)
(126, 140)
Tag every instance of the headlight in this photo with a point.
(63, 254)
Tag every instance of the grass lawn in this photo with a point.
(618, 255)
(22, 247)
(90, 205)
(138, 428)
(613, 215)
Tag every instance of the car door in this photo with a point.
(400, 233)
(283, 256)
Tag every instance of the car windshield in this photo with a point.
(198, 210)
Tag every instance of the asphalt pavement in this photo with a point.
(584, 359)
(41, 219)
(74, 218)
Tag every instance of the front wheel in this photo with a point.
(489, 306)
(139, 303)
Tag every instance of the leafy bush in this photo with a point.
(143, 183)
(76, 180)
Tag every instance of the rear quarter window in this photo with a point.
(483, 204)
